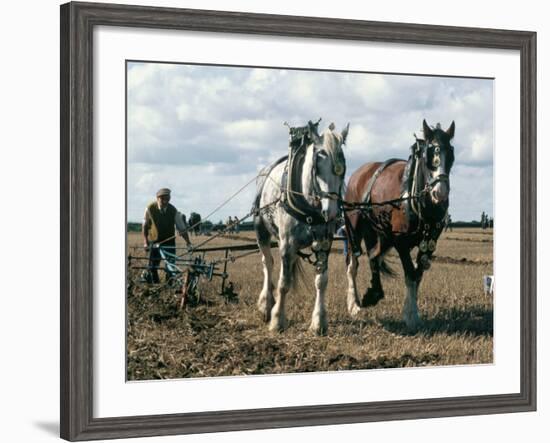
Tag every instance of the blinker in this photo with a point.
(338, 169)
(436, 161)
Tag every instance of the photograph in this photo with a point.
(283, 220)
(296, 218)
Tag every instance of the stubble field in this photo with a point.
(219, 338)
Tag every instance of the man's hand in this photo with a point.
(149, 244)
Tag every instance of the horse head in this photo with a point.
(325, 166)
(439, 160)
(301, 136)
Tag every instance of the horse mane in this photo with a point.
(332, 144)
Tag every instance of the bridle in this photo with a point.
(427, 227)
(295, 202)
(436, 161)
(338, 169)
(420, 153)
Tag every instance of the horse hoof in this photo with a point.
(277, 324)
(264, 307)
(276, 327)
(319, 330)
(265, 313)
(412, 323)
(319, 325)
(372, 297)
(354, 310)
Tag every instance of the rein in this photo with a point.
(294, 201)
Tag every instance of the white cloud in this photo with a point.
(145, 118)
(198, 128)
(249, 133)
(482, 147)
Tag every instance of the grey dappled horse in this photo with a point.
(297, 203)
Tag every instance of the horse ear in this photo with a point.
(428, 133)
(345, 133)
(312, 130)
(451, 130)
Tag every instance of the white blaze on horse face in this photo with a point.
(328, 183)
(325, 177)
(440, 192)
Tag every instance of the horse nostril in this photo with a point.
(439, 196)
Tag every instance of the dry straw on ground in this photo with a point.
(217, 338)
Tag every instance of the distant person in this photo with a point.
(448, 221)
(228, 225)
(195, 224)
(160, 222)
(236, 224)
(483, 220)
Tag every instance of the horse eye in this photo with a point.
(437, 150)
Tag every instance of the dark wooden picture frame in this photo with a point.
(77, 215)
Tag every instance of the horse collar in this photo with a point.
(293, 200)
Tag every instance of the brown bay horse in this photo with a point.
(400, 204)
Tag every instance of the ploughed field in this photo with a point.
(216, 337)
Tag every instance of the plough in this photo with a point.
(183, 271)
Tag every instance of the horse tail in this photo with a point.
(299, 280)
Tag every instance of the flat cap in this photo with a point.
(163, 191)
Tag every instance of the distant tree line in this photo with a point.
(249, 226)
(206, 226)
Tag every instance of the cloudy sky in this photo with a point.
(205, 131)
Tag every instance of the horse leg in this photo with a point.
(265, 299)
(278, 320)
(376, 249)
(412, 280)
(319, 323)
(353, 298)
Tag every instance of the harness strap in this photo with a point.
(293, 201)
(355, 243)
(367, 194)
(264, 174)
(297, 206)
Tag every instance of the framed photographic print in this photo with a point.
(273, 221)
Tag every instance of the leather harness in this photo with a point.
(367, 194)
(292, 200)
